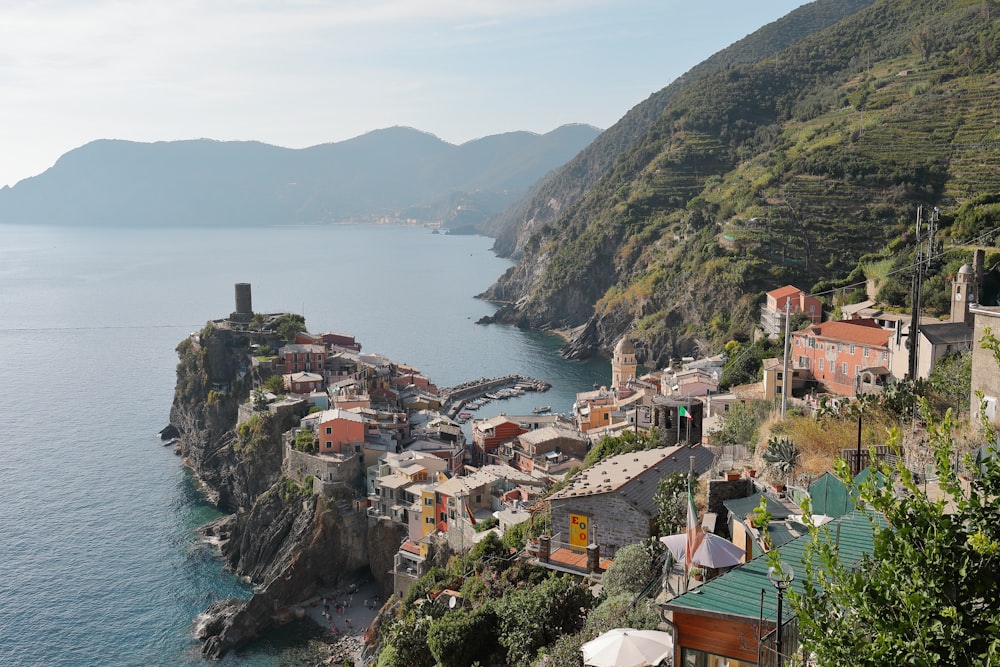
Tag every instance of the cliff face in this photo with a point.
(284, 538)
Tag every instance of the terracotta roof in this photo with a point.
(787, 290)
(860, 332)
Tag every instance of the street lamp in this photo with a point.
(780, 580)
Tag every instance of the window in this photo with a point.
(840, 347)
(429, 519)
(444, 517)
(857, 370)
(885, 356)
(821, 363)
(852, 348)
(843, 368)
(479, 498)
(867, 351)
(329, 430)
(803, 362)
(428, 501)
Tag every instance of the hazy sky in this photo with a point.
(308, 72)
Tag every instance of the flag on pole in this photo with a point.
(681, 412)
(694, 533)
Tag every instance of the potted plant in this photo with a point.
(696, 572)
(732, 475)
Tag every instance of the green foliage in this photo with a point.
(290, 490)
(671, 503)
(461, 638)
(517, 535)
(760, 516)
(744, 364)
(404, 642)
(622, 611)
(928, 594)
(634, 566)
(486, 524)
(740, 424)
(253, 434)
(274, 384)
(781, 454)
(287, 325)
(305, 441)
(628, 441)
(531, 618)
(950, 383)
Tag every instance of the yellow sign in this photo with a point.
(579, 531)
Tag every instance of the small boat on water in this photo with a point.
(465, 414)
(542, 409)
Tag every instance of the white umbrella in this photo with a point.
(718, 552)
(625, 647)
(714, 551)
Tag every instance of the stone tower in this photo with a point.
(963, 291)
(623, 364)
(244, 304)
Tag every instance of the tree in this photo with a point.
(632, 569)
(305, 441)
(740, 424)
(531, 618)
(274, 384)
(928, 594)
(461, 638)
(671, 503)
(288, 325)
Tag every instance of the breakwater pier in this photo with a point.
(457, 397)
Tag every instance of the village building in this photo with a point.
(623, 364)
(788, 299)
(844, 357)
(544, 449)
(985, 373)
(730, 620)
(611, 504)
(340, 431)
(489, 434)
(302, 383)
(298, 357)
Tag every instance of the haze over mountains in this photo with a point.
(395, 173)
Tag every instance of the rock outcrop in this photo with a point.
(285, 539)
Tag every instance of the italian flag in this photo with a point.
(694, 533)
(681, 412)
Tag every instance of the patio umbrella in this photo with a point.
(625, 647)
(718, 552)
(714, 551)
(676, 544)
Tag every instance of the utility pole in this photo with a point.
(784, 370)
(918, 279)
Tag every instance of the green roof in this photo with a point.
(738, 593)
(829, 496)
(740, 507)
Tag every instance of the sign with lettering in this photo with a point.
(579, 531)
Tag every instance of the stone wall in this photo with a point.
(332, 471)
(719, 491)
(613, 522)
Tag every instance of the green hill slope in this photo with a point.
(787, 170)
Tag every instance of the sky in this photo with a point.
(306, 72)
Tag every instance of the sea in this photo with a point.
(100, 562)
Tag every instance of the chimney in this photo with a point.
(593, 558)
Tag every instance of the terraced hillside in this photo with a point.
(794, 169)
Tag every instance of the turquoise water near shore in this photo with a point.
(99, 564)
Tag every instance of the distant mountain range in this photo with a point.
(395, 173)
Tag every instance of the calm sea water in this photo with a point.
(99, 562)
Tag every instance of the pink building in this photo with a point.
(302, 383)
(340, 432)
(297, 358)
(846, 356)
(772, 313)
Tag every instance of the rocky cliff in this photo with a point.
(285, 539)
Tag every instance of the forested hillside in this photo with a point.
(554, 195)
(798, 168)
